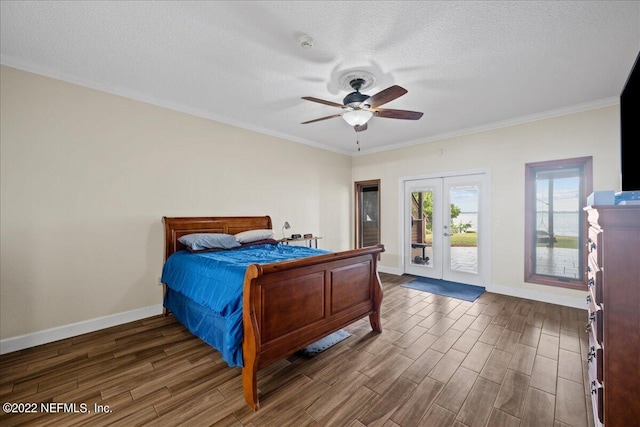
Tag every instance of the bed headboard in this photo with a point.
(174, 227)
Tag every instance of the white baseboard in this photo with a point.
(394, 271)
(568, 301)
(54, 334)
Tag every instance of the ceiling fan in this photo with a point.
(359, 108)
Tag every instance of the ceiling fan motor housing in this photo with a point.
(354, 99)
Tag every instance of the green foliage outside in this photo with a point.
(460, 235)
(427, 208)
(457, 239)
(567, 242)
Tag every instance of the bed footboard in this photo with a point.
(289, 305)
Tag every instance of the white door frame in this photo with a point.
(484, 244)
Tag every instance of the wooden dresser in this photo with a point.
(613, 274)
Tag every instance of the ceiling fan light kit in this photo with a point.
(357, 117)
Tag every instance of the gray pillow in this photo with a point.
(254, 235)
(200, 241)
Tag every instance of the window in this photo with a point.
(555, 223)
(367, 196)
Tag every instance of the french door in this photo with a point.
(446, 229)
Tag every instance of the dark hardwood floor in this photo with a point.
(500, 361)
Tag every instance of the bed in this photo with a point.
(328, 290)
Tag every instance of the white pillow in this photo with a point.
(254, 235)
(201, 241)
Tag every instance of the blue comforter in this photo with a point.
(214, 282)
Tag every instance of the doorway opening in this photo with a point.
(367, 227)
(446, 228)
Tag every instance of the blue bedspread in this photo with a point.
(214, 281)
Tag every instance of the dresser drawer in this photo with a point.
(595, 319)
(593, 243)
(595, 360)
(594, 280)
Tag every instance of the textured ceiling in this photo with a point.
(467, 65)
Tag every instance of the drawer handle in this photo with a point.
(592, 354)
(592, 317)
(588, 299)
(591, 282)
(592, 247)
(588, 269)
(594, 387)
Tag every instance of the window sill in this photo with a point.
(578, 285)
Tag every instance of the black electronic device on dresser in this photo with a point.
(613, 274)
(630, 131)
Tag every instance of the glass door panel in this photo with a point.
(423, 198)
(462, 195)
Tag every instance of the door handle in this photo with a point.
(446, 234)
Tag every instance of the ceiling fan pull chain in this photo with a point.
(357, 138)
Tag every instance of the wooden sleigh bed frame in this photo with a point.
(328, 292)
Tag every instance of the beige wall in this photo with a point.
(504, 152)
(87, 176)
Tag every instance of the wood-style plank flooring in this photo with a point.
(500, 361)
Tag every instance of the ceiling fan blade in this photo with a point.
(382, 97)
(360, 128)
(322, 101)
(321, 118)
(397, 114)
